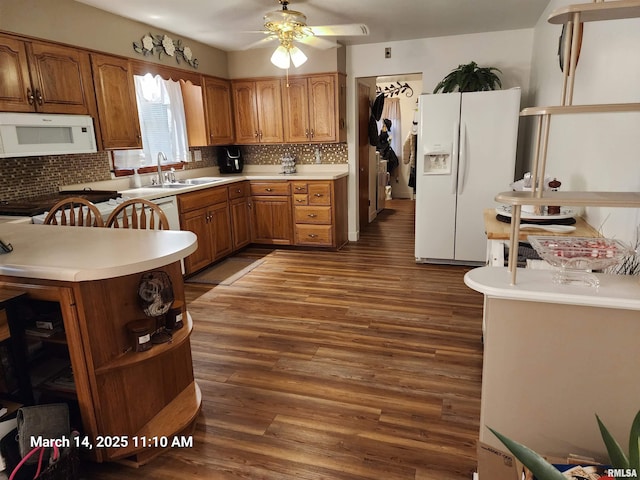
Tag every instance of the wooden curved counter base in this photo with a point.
(120, 393)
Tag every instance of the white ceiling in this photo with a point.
(225, 23)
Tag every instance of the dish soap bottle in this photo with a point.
(137, 181)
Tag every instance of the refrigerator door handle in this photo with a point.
(454, 156)
(463, 158)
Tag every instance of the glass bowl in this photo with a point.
(576, 257)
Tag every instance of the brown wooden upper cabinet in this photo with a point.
(311, 108)
(116, 98)
(42, 77)
(217, 99)
(258, 111)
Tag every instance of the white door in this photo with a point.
(488, 138)
(436, 170)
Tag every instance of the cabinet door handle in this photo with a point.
(306, 133)
(39, 97)
(312, 133)
(317, 195)
(30, 97)
(256, 134)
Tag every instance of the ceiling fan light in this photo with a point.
(280, 57)
(297, 56)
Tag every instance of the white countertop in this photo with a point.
(75, 254)
(253, 172)
(615, 291)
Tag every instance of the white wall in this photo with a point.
(510, 51)
(594, 152)
(74, 23)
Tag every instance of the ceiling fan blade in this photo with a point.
(317, 42)
(346, 30)
(260, 43)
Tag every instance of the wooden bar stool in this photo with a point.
(139, 214)
(74, 211)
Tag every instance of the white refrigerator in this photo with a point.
(466, 155)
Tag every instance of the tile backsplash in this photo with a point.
(25, 177)
(330, 153)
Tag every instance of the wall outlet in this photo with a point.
(387, 52)
(197, 155)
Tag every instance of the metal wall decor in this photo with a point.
(395, 89)
(164, 45)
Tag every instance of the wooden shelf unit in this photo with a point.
(570, 16)
(576, 109)
(130, 358)
(596, 11)
(573, 199)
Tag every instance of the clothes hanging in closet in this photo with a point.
(384, 147)
(409, 153)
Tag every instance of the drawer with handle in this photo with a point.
(300, 199)
(238, 190)
(319, 194)
(299, 187)
(314, 235)
(201, 198)
(318, 215)
(270, 188)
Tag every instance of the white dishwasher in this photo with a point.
(169, 206)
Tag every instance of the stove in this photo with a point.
(37, 205)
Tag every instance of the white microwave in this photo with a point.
(31, 134)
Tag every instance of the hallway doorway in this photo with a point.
(401, 96)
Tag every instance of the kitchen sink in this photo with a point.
(202, 180)
(170, 185)
(189, 182)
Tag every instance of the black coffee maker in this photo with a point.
(230, 159)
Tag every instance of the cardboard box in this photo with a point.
(495, 464)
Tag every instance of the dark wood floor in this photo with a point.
(357, 364)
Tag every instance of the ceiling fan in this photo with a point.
(289, 26)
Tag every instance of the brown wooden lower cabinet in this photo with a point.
(271, 220)
(240, 215)
(277, 212)
(206, 213)
(271, 213)
(120, 394)
(320, 212)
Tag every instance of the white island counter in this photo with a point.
(556, 355)
(75, 254)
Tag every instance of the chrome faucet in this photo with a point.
(161, 157)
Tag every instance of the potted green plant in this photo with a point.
(620, 462)
(470, 78)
